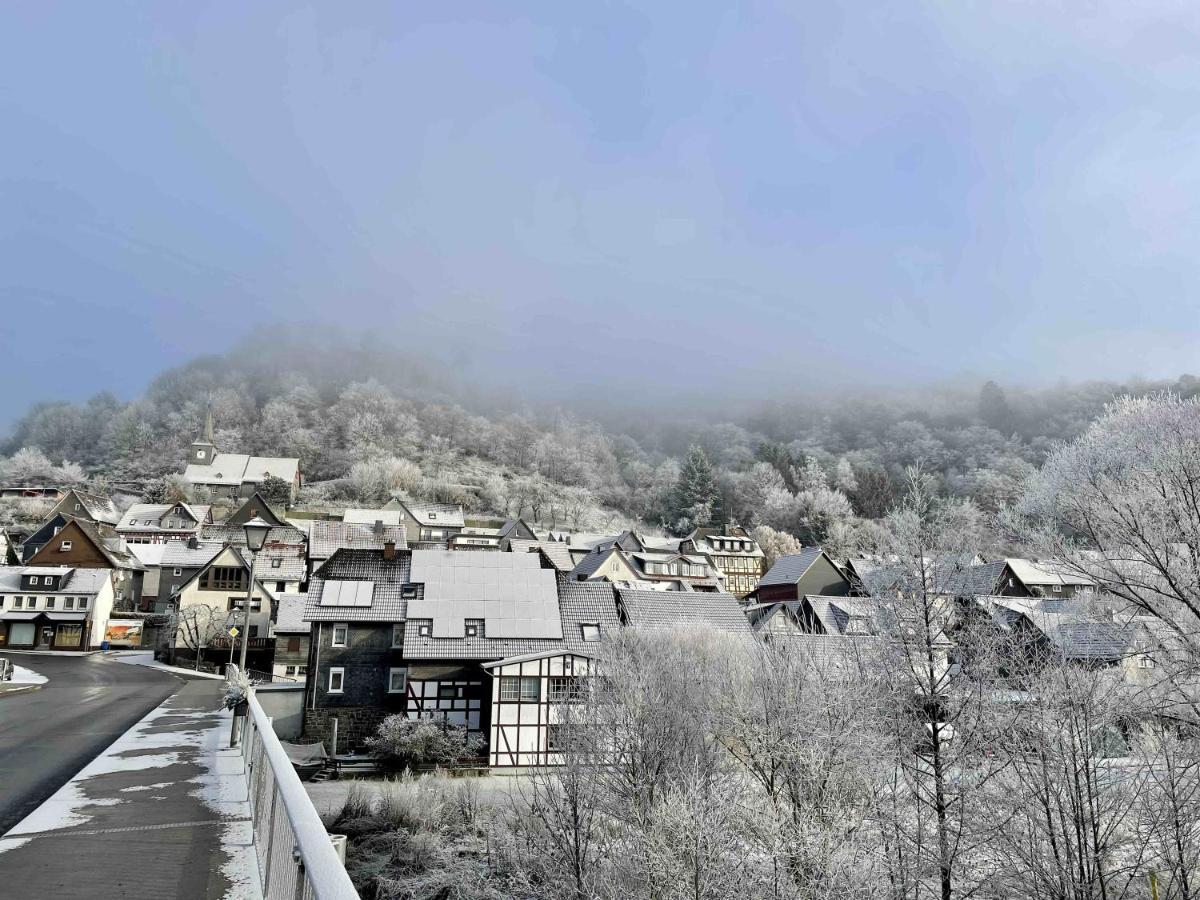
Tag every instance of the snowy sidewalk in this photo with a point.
(161, 813)
(146, 658)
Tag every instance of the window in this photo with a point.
(301, 670)
(340, 632)
(397, 680)
(398, 634)
(408, 591)
(81, 602)
(69, 636)
(31, 602)
(425, 629)
(276, 563)
(525, 690)
(133, 521)
(1, 601)
(510, 687)
(224, 578)
(33, 579)
(65, 546)
(473, 627)
(337, 678)
(293, 645)
(1057, 588)
(289, 670)
(590, 631)
(280, 586)
(449, 691)
(18, 602)
(50, 602)
(68, 602)
(432, 516)
(1145, 662)
(177, 572)
(76, 507)
(564, 687)
(554, 737)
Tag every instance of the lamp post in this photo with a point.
(256, 535)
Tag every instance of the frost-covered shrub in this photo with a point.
(403, 742)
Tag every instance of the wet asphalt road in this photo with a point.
(48, 735)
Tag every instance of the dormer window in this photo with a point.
(473, 628)
(133, 521)
(33, 579)
(276, 563)
(432, 516)
(65, 546)
(408, 591)
(76, 507)
(425, 629)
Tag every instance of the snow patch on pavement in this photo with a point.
(146, 658)
(22, 675)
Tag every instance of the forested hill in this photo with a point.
(365, 418)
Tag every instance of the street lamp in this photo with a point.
(256, 535)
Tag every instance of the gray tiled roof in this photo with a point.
(236, 535)
(326, 537)
(590, 563)
(387, 604)
(80, 581)
(290, 615)
(790, 569)
(292, 564)
(972, 580)
(557, 552)
(179, 553)
(1091, 640)
(586, 602)
(435, 515)
(669, 609)
(138, 515)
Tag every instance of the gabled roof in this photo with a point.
(96, 507)
(103, 539)
(840, 615)
(673, 609)
(255, 505)
(790, 569)
(281, 564)
(371, 516)
(1039, 573)
(289, 618)
(78, 581)
(149, 516)
(973, 580)
(235, 468)
(324, 538)
(387, 603)
(181, 554)
(557, 552)
(235, 534)
(434, 515)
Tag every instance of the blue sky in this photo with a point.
(747, 196)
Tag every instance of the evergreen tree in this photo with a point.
(696, 496)
(994, 409)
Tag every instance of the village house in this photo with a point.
(732, 551)
(88, 545)
(221, 584)
(486, 536)
(631, 561)
(793, 577)
(428, 525)
(157, 523)
(326, 538)
(232, 475)
(54, 607)
(291, 635)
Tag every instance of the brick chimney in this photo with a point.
(389, 550)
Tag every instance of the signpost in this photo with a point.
(233, 633)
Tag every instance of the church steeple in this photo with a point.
(204, 448)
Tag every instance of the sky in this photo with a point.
(736, 197)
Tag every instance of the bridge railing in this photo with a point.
(296, 858)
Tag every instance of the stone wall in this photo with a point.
(355, 724)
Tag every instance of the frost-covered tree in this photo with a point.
(775, 543)
(696, 496)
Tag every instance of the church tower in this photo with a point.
(203, 449)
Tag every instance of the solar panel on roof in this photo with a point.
(347, 593)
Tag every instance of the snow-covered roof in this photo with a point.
(79, 581)
(236, 468)
(435, 515)
(371, 516)
(290, 616)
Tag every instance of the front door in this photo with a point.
(45, 635)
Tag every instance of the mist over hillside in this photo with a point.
(366, 417)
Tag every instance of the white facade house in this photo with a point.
(528, 697)
(221, 584)
(54, 607)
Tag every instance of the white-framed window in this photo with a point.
(590, 631)
(18, 602)
(301, 670)
(50, 602)
(65, 546)
(1145, 662)
(1, 601)
(432, 516)
(289, 670)
(1057, 588)
(133, 521)
(425, 629)
(31, 602)
(276, 563)
(81, 603)
(398, 634)
(473, 628)
(337, 679)
(68, 602)
(177, 572)
(33, 579)
(397, 680)
(522, 688)
(340, 632)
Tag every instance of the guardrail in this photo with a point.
(296, 858)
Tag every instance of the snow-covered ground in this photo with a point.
(146, 658)
(22, 675)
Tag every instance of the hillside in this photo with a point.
(365, 419)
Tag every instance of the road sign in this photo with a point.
(233, 632)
